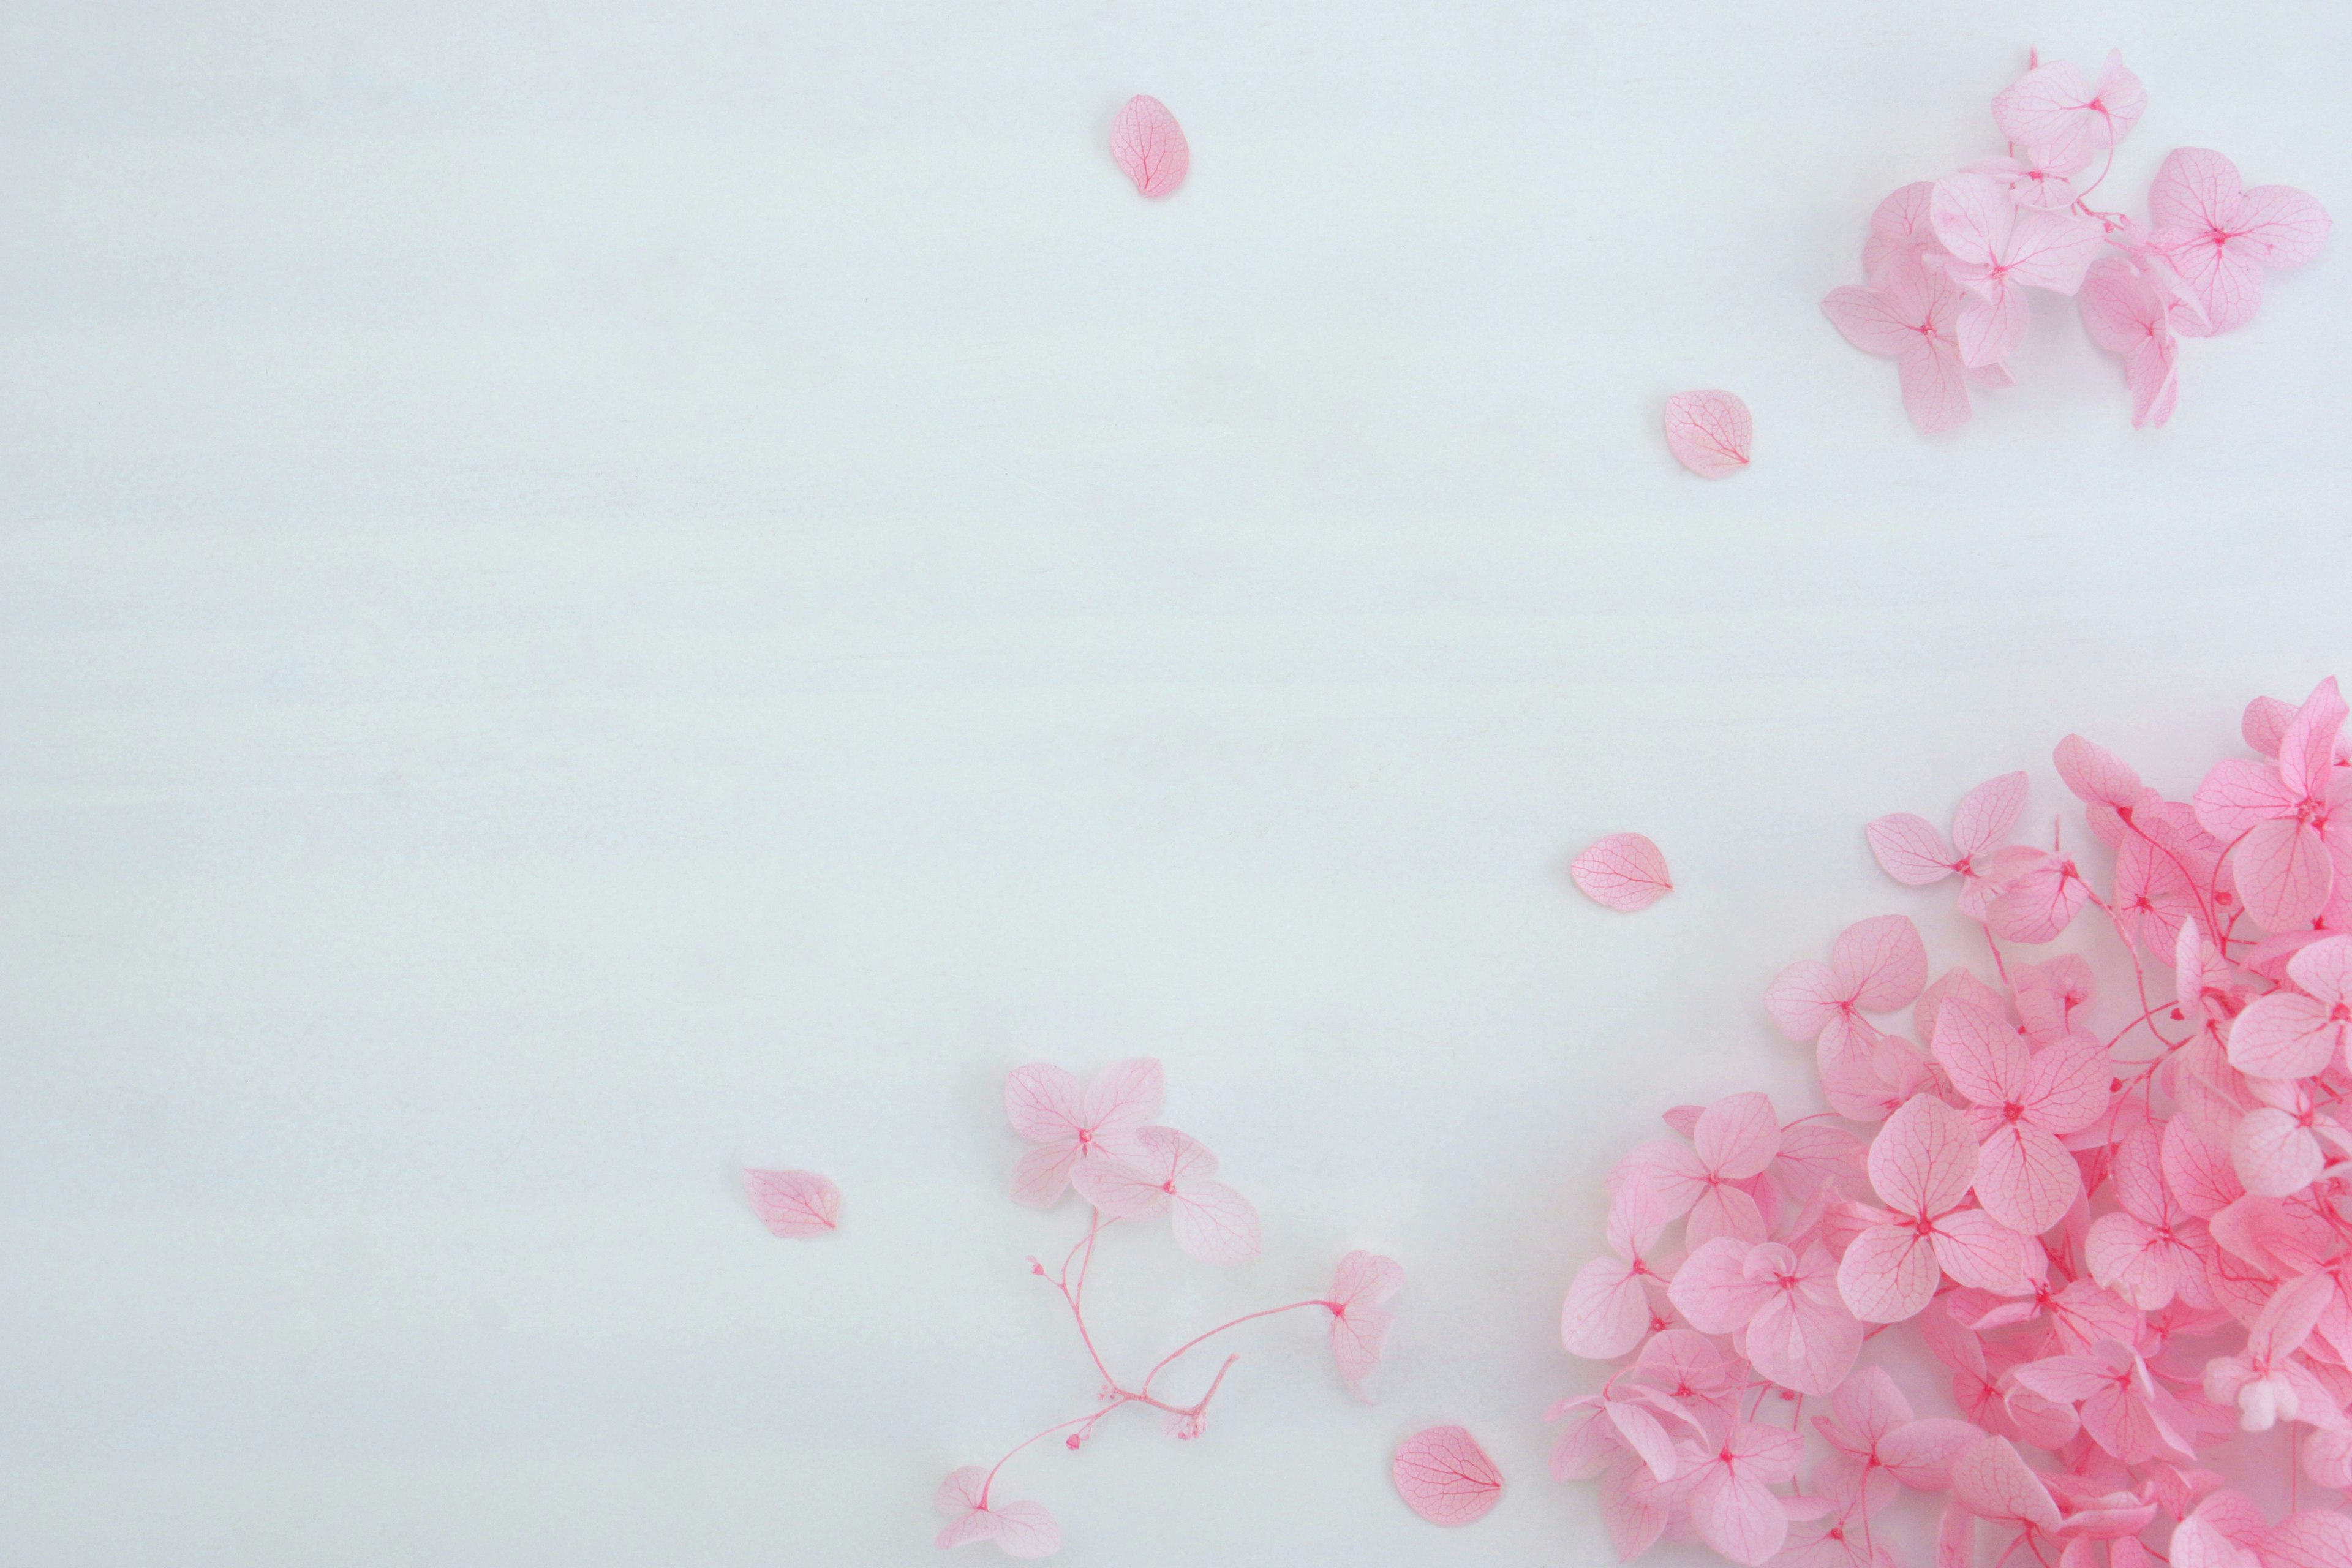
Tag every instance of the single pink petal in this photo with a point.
(1042, 1101)
(963, 1531)
(1444, 1476)
(1710, 432)
(1899, 224)
(1880, 962)
(1804, 998)
(1043, 1175)
(2283, 872)
(1026, 1529)
(2274, 1156)
(1737, 1136)
(1993, 1481)
(2312, 1539)
(2026, 1179)
(2239, 794)
(963, 1490)
(1360, 1326)
(1119, 1190)
(795, 1203)
(1993, 325)
(2066, 1088)
(1623, 871)
(1125, 1096)
(1643, 1435)
(2095, 775)
(1888, 1273)
(1712, 1289)
(2280, 225)
(1737, 1514)
(1935, 385)
(2050, 249)
(2196, 1170)
(1724, 1210)
(1909, 850)
(1924, 1158)
(1972, 217)
(2196, 189)
(1987, 813)
(1980, 1251)
(2283, 1035)
(1804, 1339)
(1987, 1061)
(1150, 146)
(2308, 748)
(2131, 1258)
(2196, 1544)
(1920, 1454)
(1215, 1222)
(2325, 969)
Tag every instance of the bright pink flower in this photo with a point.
(2220, 236)
(2053, 107)
(2126, 314)
(2151, 1248)
(2286, 821)
(1997, 249)
(1019, 1529)
(2298, 1033)
(1781, 1308)
(1729, 1479)
(1611, 1301)
(2021, 1104)
(1875, 966)
(1045, 1107)
(1732, 1143)
(1171, 1173)
(1922, 1164)
(1910, 313)
(1360, 1325)
(1911, 851)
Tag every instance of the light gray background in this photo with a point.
(595, 595)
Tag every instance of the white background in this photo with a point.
(595, 595)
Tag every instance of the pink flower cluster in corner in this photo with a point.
(1949, 260)
(1102, 1141)
(2125, 1242)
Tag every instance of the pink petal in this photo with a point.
(795, 1203)
(1987, 1061)
(962, 1491)
(1737, 1515)
(2285, 1035)
(1935, 385)
(2050, 249)
(1899, 224)
(2325, 969)
(2025, 1179)
(2272, 1153)
(2066, 1088)
(1043, 1175)
(1870, 322)
(1623, 871)
(1973, 216)
(1360, 1329)
(2307, 749)
(1710, 432)
(2283, 872)
(2095, 775)
(1924, 1158)
(1026, 1529)
(1444, 1476)
(2280, 225)
(1987, 813)
(1909, 850)
(1125, 1096)
(1737, 1136)
(1888, 1274)
(2196, 189)
(1804, 998)
(1881, 964)
(1042, 1102)
(2312, 1539)
(1921, 1453)
(2239, 794)
(1150, 146)
(1802, 1342)
(1712, 1287)
(1606, 1311)
(1367, 1278)
(1119, 1190)
(2052, 106)
(978, 1525)
(1993, 1482)
(1980, 1251)
(1724, 1210)
(2198, 1172)
(1215, 1222)
(1991, 328)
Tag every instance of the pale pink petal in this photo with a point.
(2266, 722)
(2308, 750)
(1042, 1101)
(1645, 1436)
(1712, 1287)
(1920, 1454)
(2066, 1088)
(1804, 998)
(1737, 1514)
(1737, 1136)
(1360, 1326)
(2196, 1544)
(1993, 325)
(2041, 903)
(1724, 1210)
(2283, 873)
(978, 1525)
(2196, 189)
(2272, 1153)
(1444, 1476)
(1909, 850)
(1978, 1250)
(1881, 964)
(1709, 433)
(1215, 1222)
(1888, 1274)
(2239, 794)
(1924, 1158)
(1802, 1341)
(2224, 279)
(1972, 214)
(2283, 1035)
(1987, 813)
(1026, 1529)
(1623, 871)
(1119, 1190)
(1899, 224)
(795, 1203)
(1126, 1095)
(1607, 1310)
(2050, 249)
(2130, 1258)
(2196, 1170)
(2325, 969)
(2095, 773)
(2052, 106)
(1993, 1481)
(1150, 146)
(963, 1490)
(2312, 1539)
(2025, 1179)
(1988, 1062)
(1870, 322)
(1043, 1175)
(2280, 225)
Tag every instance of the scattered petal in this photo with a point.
(1623, 871)
(1709, 433)
(1150, 146)
(796, 1204)
(1444, 1476)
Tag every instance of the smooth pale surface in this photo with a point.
(599, 597)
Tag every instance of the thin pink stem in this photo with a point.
(1220, 1328)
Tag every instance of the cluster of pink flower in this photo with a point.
(2123, 1249)
(1101, 1142)
(1949, 260)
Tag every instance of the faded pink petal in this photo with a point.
(2125, 314)
(1899, 226)
(1888, 1274)
(795, 1203)
(1737, 1136)
(2219, 236)
(1881, 964)
(1360, 1324)
(2025, 1179)
(1623, 871)
(1026, 1529)
(2284, 1035)
(1980, 1251)
(1444, 1476)
(2283, 873)
(1215, 1222)
(1986, 812)
(1924, 1158)
(1909, 850)
(1993, 1481)
(1150, 146)
(1042, 1102)
(2274, 1156)
(2053, 107)
(1710, 432)
(1909, 314)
